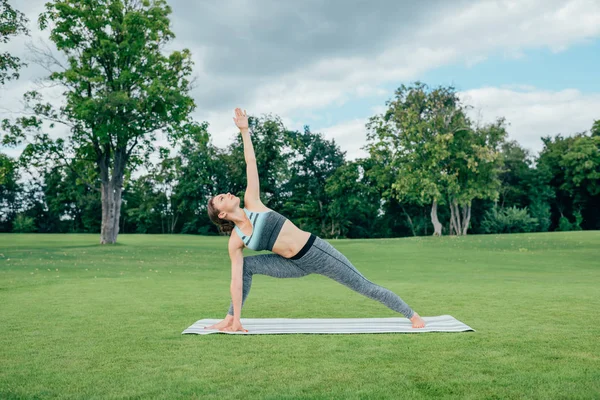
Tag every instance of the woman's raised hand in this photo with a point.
(240, 119)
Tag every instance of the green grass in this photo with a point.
(80, 320)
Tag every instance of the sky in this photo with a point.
(332, 65)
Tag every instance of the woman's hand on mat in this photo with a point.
(417, 321)
(234, 327)
(240, 119)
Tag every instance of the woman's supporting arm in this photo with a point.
(237, 276)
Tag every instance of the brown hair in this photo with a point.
(225, 226)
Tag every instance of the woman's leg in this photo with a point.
(328, 261)
(266, 264)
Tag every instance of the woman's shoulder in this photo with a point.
(235, 241)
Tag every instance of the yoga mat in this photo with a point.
(265, 326)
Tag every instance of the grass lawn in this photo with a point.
(84, 321)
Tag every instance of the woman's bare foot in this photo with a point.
(223, 324)
(417, 321)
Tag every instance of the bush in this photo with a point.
(540, 210)
(23, 224)
(565, 225)
(508, 220)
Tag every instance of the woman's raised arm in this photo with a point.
(253, 187)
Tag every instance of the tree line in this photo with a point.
(430, 169)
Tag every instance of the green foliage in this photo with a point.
(570, 167)
(475, 162)
(8, 172)
(430, 151)
(410, 140)
(565, 225)
(12, 23)
(540, 210)
(595, 131)
(311, 162)
(508, 220)
(354, 202)
(23, 224)
(142, 208)
(120, 86)
(581, 165)
(516, 175)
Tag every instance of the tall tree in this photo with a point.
(471, 170)
(515, 175)
(581, 166)
(314, 159)
(411, 140)
(595, 131)
(354, 202)
(204, 173)
(12, 23)
(120, 89)
(522, 185)
(553, 175)
(9, 191)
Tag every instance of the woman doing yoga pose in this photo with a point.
(297, 253)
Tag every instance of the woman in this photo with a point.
(297, 253)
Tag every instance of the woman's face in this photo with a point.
(226, 203)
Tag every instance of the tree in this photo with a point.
(311, 162)
(515, 175)
(471, 169)
(120, 89)
(522, 185)
(581, 165)
(204, 173)
(553, 175)
(595, 131)
(411, 140)
(12, 23)
(354, 203)
(9, 191)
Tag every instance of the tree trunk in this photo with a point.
(459, 218)
(111, 208)
(454, 219)
(322, 218)
(111, 190)
(437, 227)
(174, 222)
(466, 217)
(410, 223)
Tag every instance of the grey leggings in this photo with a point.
(321, 258)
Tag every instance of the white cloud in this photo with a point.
(310, 57)
(350, 136)
(468, 34)
(533, 113)
(530, 112)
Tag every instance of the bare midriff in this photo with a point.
(290, 241)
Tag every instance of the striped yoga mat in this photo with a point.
(265, 326)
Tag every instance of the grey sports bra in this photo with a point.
(265, 229)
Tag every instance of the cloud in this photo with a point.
(308, 57)
(530, 112)
(350, 136)
(533, 113)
